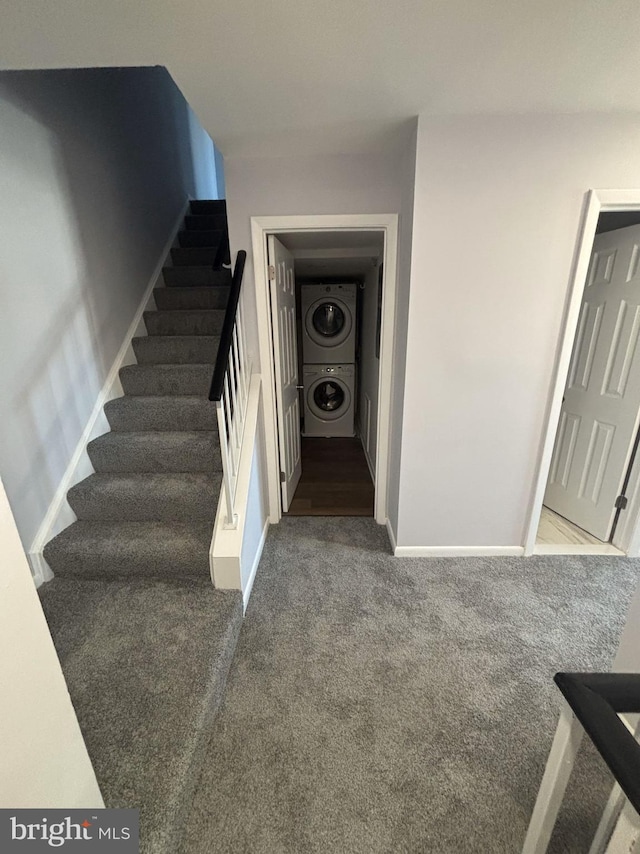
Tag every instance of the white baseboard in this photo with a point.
(59, 514)
(458, 551)
(392, 537)
(246, 593)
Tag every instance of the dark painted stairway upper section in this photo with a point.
(149, 508)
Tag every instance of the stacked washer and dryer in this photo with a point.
(329, 355)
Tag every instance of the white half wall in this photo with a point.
(498, 202)
(43, 757)
(96, 166)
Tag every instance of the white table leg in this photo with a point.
(626, 833)
(608, 821)
(554, 782)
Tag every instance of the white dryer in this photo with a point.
(329, 400)
(328, 323)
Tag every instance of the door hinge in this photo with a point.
(283, 477)
(272, 272)
(621, 502)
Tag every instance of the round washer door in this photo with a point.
(328, 321)
(328, 398)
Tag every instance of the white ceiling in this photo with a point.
(345, 75)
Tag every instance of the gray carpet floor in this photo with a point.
(378, 704)
(146, 663)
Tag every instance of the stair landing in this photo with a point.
(146, 662)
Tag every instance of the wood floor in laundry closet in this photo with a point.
(555, 530)
(335, 479)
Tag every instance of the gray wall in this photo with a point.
(95, 167)
(488, 295)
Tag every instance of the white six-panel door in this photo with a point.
(599, 415)
(283, 294)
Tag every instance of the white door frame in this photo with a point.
(627, 536)
(261, 226)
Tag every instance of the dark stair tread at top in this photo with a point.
(145, 691)
(196, 275)
(173, 550)
(203, 237)
(205, 222)
(176, 349)
(191, 256)
(135, 497)
(198, 297)
(184, 321)
(129, 414)
(162, 380)
(156, 451)
(208, 206)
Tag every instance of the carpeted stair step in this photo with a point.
(159, 380)
(184, 322)
(176, 277)
(146, 662)
(209, 206)
(193, 256)
(206, 222)
(129, 414)
(206, 297)
(172, 550)
(201, 237)
(169, 497)
(156, 451)
(176, 349)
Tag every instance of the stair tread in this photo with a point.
(176, 349)
(155, 480)
(156, 451)
(187, 321)
(160, 412)
(149, 496)
(118, 536)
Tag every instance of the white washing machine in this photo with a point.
(328, 323)
(329, 400)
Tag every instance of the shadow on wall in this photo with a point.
(95, 168)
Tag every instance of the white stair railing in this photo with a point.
(230, 391)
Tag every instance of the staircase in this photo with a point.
(144, 640)
(149, 508)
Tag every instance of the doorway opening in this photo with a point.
(326, 312)
(587, 497)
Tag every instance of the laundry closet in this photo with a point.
(337, 298)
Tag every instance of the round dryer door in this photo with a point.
(328, 321)
(328, 398)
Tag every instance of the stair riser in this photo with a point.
(202, 237)
(186, 257)
(158, 380)
(184, 322)
(130, 414)
(161, 350)
(206, 222)
(209, 206)
(182, 563)
(175, 277)
(148, 453)
(208, 297)
(103, 505)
